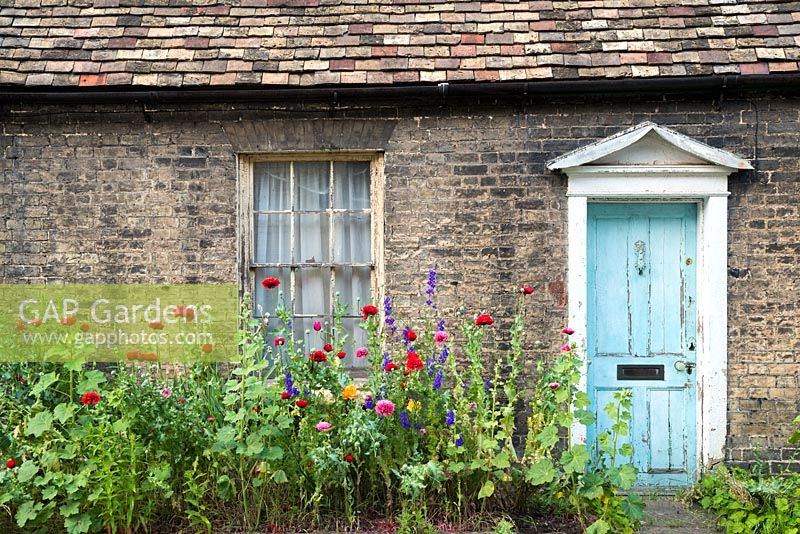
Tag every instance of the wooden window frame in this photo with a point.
(246, 230)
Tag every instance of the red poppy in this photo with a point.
(413, 362)
(208, 347)
(11, 464)
(85, 327)
(156, 325)
(341, 355)
(285, 395)
(391, 366)
(20, 325)
(368, 311)
(211, 419)
(91, 398)
(484, 319)
(349, 458)
(180, 400)
(257, 409)
(270, 283)
(279, 341)
(301, 403)
(526, 290)
(411, 335)
(35, 322)
(20, 379)
(328, 347)
(318, 356)
(68, 321)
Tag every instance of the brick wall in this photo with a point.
(124, 194)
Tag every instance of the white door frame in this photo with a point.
(704, 182)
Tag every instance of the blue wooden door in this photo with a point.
(641, 335)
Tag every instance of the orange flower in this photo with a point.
(207, 348)
(349, 392)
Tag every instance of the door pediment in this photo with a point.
(663, 162)
(648, 145)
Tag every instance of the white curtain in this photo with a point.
(312, 237)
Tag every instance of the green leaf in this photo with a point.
(486, 490)
(27, 512)
(254, 444)
(624, 476)
(91, 381)
(226, 438)
(45, 382)
(121, 425)
(39, 423)
(456, 467)
(585, 417)
(548, 437)
(75, 365)
(626, 450)
(598, 527)
(501, 461)
(574, 460)
(273, 453)
(49, 492)
(64, 411)
(542, 472)
(633, 506)
(27, 471)
(78, 524)
(280, 477)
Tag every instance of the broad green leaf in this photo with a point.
(456, 467)
(279, 477)
(620, 427)
(626, 450)
(598, 527)
(611, 410)
(78, 524)
(226, 438)
(486, 490)
(121, 425)
(542, 472)
(27, 512)
(501, 461)
(585, 417)
(27, 471)
(39, 423)
(633, 506)
(49, 492)
(75, 365)
(254, 444)
(71, 507)
(45, 382)
(592, 492)
(548, 437)
(91, 381)
(273, 453)
(574, 460)
(63, 412)
(624, 476)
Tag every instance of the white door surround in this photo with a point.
(650, 163)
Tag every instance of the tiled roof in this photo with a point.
(317, 42)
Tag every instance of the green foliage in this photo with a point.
(750, 502)
(281, 439)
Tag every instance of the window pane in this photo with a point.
(266, 300)
(311, 238)
(353, 238)
(271, 186)
(356, 338)
(354, 285)
(313, 340)
(312, 186)
(272, 238)
(312, 291)
(351, 185)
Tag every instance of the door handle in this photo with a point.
(684, 365)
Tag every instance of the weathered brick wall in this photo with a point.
(119, 194)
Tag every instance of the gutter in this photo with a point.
(717, 86)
